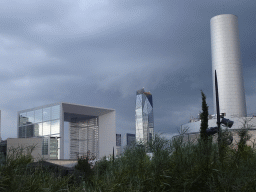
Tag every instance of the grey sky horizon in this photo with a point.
(100, 52)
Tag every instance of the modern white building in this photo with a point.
(226, 60)
(91, 131)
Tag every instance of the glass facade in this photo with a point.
(42, 122)
(45, 146)
(144, 116)
(84, 138)
(80, 137)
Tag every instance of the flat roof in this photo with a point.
(85, 110)
(75, 109)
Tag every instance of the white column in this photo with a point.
(226, 60)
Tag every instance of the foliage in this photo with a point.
(16, 175)
(176, 165)
(84, 167)
(244, 136)
(204, 118)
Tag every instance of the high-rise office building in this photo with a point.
(144, 116)
(226, 60)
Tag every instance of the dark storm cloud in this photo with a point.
(100, 52)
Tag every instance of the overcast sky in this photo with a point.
(99, 52)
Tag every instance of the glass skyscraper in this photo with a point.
(144, 116)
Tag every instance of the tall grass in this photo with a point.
(179, 166)
(17, 176)
(176, 165)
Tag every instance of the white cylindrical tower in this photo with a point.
(226, 60)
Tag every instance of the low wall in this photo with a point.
(251, 142)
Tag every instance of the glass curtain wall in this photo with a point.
(144, 116)
(43, 122)
(84, 138)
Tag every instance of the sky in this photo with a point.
(100, 52)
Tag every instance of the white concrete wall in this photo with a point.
(226, 60)
(18, 143)
(65, 163)
(251, 142)
(107, 134)
(249, 122)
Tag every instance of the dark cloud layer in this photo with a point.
(100, 52)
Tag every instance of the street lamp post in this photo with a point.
(217, 108)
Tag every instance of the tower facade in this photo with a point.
(144, 116)
(226, 60)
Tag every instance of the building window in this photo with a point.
(41, 122)
(118, 139)
(38, 116)
(55, 128)
(22, 132)
(53, 148)
(46, 114)
(29, 131)
(46, 128)
(55, 112)
(45, 146)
